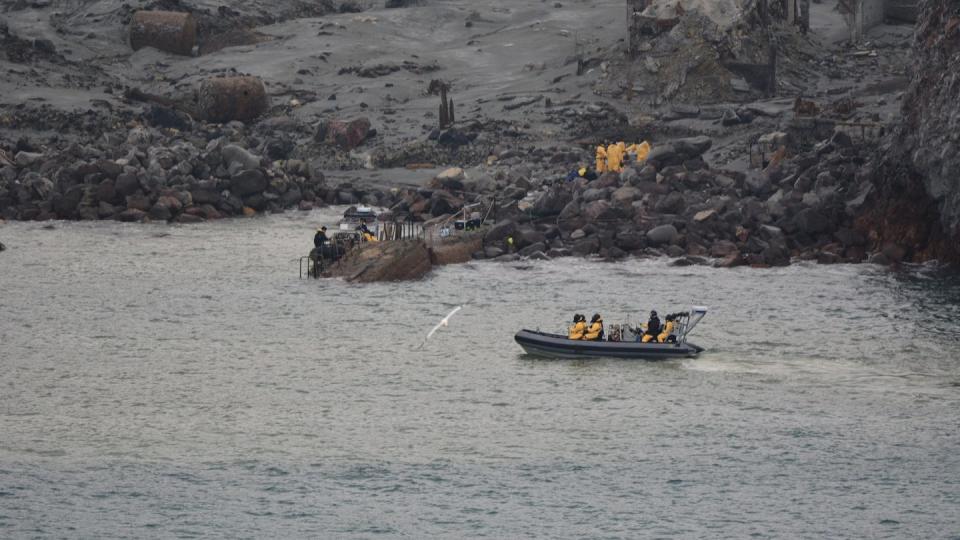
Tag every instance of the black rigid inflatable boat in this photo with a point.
(559, 346)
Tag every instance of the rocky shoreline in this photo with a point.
(811, 194)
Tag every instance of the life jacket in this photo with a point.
(601, 159)
(643, 150)
(667, 330)
(577, 330)
(596, 331)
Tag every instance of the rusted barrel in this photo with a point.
(169, 31)
(224, 99)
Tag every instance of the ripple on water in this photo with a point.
(154, 395)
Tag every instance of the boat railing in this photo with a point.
(311, 266)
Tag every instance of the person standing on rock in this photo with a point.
(614, 158)
(320, 238)
(601, 159)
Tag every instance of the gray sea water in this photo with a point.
(181, 382)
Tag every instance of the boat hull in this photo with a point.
(558, 346)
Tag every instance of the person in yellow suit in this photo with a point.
(601, 159)
(579, 327)
(595, 333)
(614, 158)
(365, 232)
(643, 150)
(667, 329)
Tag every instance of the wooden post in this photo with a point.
(444, 108)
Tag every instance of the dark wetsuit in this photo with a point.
(653, 326)
(319, 239)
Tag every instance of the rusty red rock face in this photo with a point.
(346, 135)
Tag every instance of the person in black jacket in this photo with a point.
(320, 238)
(653, 328)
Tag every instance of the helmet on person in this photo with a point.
(582, 171)
(653, 313)
(596, 317)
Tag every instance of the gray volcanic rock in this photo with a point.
(248, 182)
(552, 202)
(238, 159)
(664, 234)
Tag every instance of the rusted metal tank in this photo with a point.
(225, 99)
(169, 31)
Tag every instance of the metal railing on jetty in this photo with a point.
(399, 230)
(470, 218)
(433, 233)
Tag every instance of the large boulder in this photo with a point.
(593, 194)
(453, 137)
(552, 202)
(127, 184)
(811, 222)
(500, 231)
(248, 182)
(385, 261)
(673, 203)
(626, 195)
(664, 234)
(346, 135)
(601, 211)
(65, 206)
(629, 240)
(39, 187)
(663, 155)
(239, 159)
(693, 147)
(586, 246)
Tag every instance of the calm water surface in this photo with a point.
(161, 381)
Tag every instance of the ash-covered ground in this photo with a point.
(535, 87)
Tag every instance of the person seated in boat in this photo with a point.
(595, 333)
(666, 336)
(365, 232)
(579, 327)
(653, 328)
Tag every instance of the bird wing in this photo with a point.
(444, 321)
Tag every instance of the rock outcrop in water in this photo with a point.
(384, 261)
